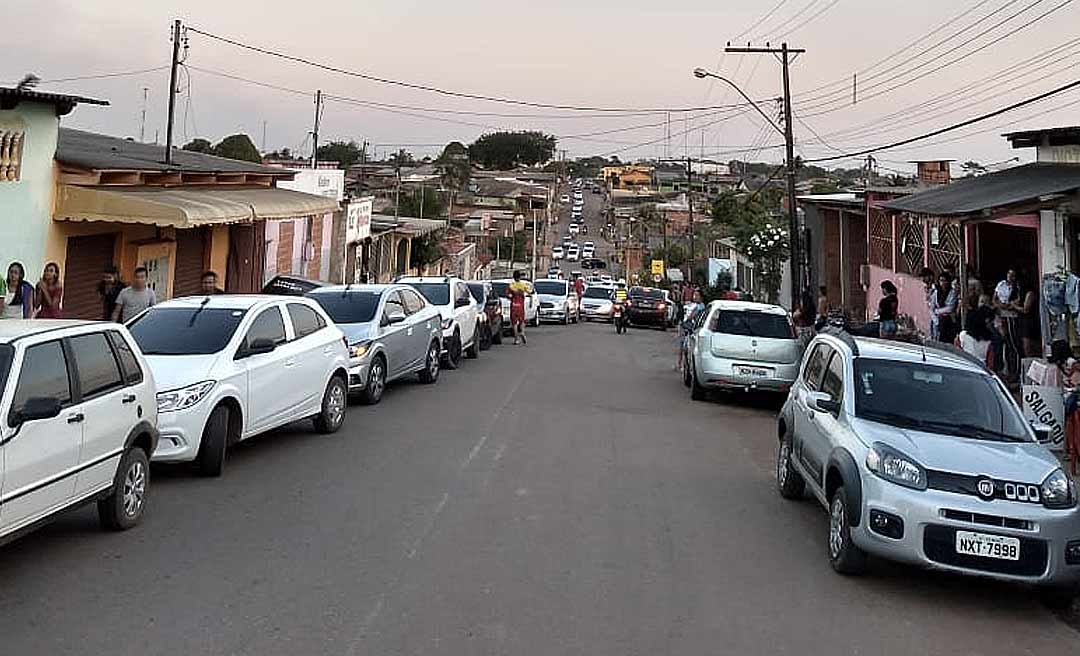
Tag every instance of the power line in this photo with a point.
(759, 21)
(438, 90)
(102, 76)
(808, 20)
(787, 21)
(955, 126)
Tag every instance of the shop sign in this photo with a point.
(358, 219)
(1045, 405)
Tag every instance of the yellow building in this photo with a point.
(631, 176)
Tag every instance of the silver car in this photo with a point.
(392, 332)
(922, 456)
(558, 301)
(597, 302)
(740, 345)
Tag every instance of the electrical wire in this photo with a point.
(808, 20)
(787, 21)
(759, 21)
(102, 76)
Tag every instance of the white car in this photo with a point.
(573, 253)
(558, 301)
(461, 315)
(232, 367)
(588, 250)
(574, 228)
(597, 302)
(532, 304)
(79, 423)
(557, 252)
(564, 199)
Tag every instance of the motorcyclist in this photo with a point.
(619, 297)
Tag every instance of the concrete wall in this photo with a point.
(911, 295)
(26, 204)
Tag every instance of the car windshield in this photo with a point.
(936, 399)
(597, 292)
(552, 287)
(643, 292)
(753, 324)
(6, 355)
(477, 291)
(499, 288)
(437, 293)
(349, 307)
(185, 331)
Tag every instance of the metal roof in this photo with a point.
(9, 97)
(1065, 136)
(1009, 187)
(101, 152)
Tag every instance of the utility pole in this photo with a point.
(173, 68)
(315, 131)
(142, 123)
(787, 56)
(690, 208)
(264, 137)
(533, 215)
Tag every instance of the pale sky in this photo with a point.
(631, 53)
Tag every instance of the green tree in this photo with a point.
(199, 146)
(506, 150)
(401, 158)
(422, 203)
(345, 153)
(427, 249)
(454, 169)
(757, 234)
(238, 146)
(284, 153)
(825, 188)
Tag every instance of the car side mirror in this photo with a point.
(461, 302)
(260, 346)
(1043, 432)
(37, 408)
(393, 318)
(824, 402)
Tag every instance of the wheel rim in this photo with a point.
(782, 463)
(335, 404)
(433, 361)
(836, 528)
(134, 488)
(378, 380)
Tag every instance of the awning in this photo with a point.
(1031, 183)
(185, 207)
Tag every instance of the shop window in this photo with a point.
(11, 145)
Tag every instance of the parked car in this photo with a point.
(79, 423)
(492, 312)
(558, 301)
(461, 320)
(741, 345)
(572, 253)
(596, 302)
(573, 228)
(290, 285)
(564, 199)
(557, 252)
(593, 263)
(921, 455)
(392, 333)
(645, 306)
(532, 304)
(231, 367)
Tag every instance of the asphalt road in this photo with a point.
(591, 214)
(564, 497)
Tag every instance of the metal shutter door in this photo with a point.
(87, 258)
(190, 250)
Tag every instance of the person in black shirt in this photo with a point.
(888, 308)
(108, 289)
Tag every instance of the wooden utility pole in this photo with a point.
(142, 123)
(690, 209)
(173, 69)
(315, 129)
(787, 56)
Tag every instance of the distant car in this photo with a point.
(564, 199)
(555, 272)
(742, 345)
(588, 250)
(572, 254)
(232, 367)
(79, 423)
(594, 263)
(596, 302)
(484, 294)
(532, 303)
(589, 245)
(289, 285)
(461, 322)
(566, 239)
(392, 333)
(557, 252)
(574, 229)
(558, 301)
(645, 306)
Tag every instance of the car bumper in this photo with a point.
(651, 317)
(358, 374)
(180, 433)
(931, 518)
(554, 314)
(720, 373)
(596, 313)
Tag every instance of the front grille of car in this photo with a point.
(547, 306)
(987, 520)
(939, 545)
(969, 485)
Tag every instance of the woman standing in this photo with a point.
(517, 291)
(943, 310)
(50, 293)
(18, 294)
(888, 309)
(1031, 323)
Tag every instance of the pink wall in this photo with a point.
(911, 293)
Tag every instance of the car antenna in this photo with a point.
(922, 347)
(194, 315)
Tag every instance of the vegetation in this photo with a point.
(238, 146)
(506, 150)
(758, 234)
(345, 153)
(454, 169)
(199, 146)
(426, 249)
(424, 203)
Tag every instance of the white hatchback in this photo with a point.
(462, 316)
(231, 367)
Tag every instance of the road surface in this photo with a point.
(564, 497)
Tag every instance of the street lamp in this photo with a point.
(702, 73)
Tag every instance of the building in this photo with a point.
(310, 246)
(834, 241)
(631, 177)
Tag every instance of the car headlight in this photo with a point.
(1058, 491)
(183, 398)
(895, 467)
(359, 349)
(446, 323)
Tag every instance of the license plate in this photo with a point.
(752, 372)
(999, 547)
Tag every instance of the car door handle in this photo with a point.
(810, 415)
(76, 418)
(289, 363)
(128, 398)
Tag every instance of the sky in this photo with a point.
(626, 55)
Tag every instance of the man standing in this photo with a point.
(108, 289)
(517, 291)
(209, 284)
(133, 300)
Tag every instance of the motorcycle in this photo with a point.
(618, 319)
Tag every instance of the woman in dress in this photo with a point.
(517, 291)
(18, 294)
(50, 293)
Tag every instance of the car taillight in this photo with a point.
(628, 303)
(660, 306)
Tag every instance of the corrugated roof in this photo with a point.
(64, 103)
(101, 152)
(1063, 136)
(1004, 188)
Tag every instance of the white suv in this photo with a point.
(78, 423)
(231, 367)
(461, 315)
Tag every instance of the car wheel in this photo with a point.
(376, 382)
(430, 373)
(485, 337)
(497, 334)
(1058, 598)
(123, 508)
(789, 481)
(844, 556)
(453, 352)
(473, 350)
(566, 319)
(697, 392)
(211, 458)
(332, 415)
(686, 371)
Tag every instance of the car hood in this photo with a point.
(551, 298)
(177, 371)
(356, 332)
(595, 301)
(1027, 462)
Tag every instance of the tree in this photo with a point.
(238, 146)
(972, 169)
(345, 153)
(422, 203)
(426, 249)
(674, 256)
(284, 153)
(825, 188)
(401, 158)
(199, 146)
(506, 150)
(757, 235)
(454, 169)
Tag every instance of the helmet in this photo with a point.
(622, 281)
